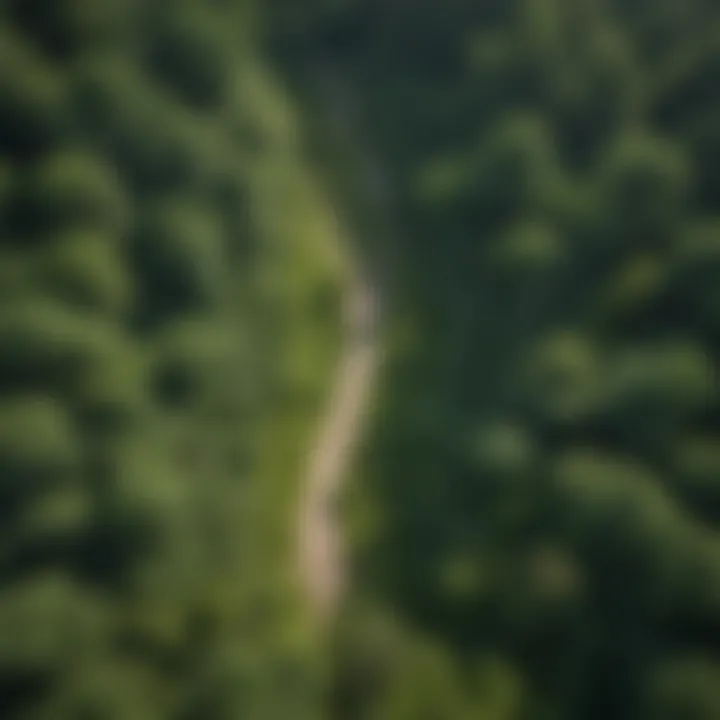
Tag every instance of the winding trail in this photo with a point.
(321, 561)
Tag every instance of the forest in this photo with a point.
(164, 336)
(533, 522)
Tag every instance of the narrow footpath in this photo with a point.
(322, 565)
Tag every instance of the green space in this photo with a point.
(171, 274)
(537, 532)
(534, 521)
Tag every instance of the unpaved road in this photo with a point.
(322, 565)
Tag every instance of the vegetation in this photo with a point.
(542, 485)
(536, 530)
(169, 283)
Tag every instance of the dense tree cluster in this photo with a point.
(546, 465)
(542, 491)
(138, 357)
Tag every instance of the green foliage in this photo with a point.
(137, 500)
(44, 622)
(155, 141)
(77, 189)
(643, 184)
(181, 256)
(86, 269)
(31, 99)
(193, 360)
(48, 347)
(37, 443)
(188, 52)
(70, 27)
(425, 690)
(545, 464)
(684, 688)
(546, 471)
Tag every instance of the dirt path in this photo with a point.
(322, 565)
(321, 559)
